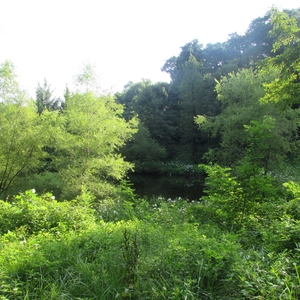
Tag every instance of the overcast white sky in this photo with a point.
(127, 40)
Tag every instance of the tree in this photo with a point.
(88, 80)
(10, 91)
(196, 97)
(240, 95)
(22, 133)
(145, 152)
(191, 93)
(88, 153)
(285, 88)
(89, 135)
(256, 44)
(174, 66)
(44, 98)
(219, 59)
(22, 136)
(150, 102)
(262, 147)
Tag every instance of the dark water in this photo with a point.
(167, 186)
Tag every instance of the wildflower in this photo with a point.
(33, 191)
(53, 197)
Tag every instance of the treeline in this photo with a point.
(242, 94)
(223, 83)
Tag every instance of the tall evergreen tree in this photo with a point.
(44, 99)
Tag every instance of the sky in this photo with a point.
(126, 40)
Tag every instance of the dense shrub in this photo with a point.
(143, 249)
(42, 213)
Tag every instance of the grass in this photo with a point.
(156, 249)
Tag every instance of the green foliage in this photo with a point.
(71, 254)
(155, 110)
(261, 143)
(10, 91)
(87, 80)
(225, 197)
(194, 99)
(168, 250)
(42, 182)
(284, 89)
(270, 224)
(239, 241)
(181, 169)
(240, 94)
(144, 151)
(88, 150)
(235, 202)
(44, 98)
(168, 111)
(130, 253)
(21, 142)
(32, 214)
(269, 276)
(80, 146)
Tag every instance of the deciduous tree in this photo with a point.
(88, 151)
(240, 95)
(285, 88)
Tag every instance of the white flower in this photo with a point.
(53, 197)
(33, 191)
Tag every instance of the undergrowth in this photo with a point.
(132, 248)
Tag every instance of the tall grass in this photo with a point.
(162, 249)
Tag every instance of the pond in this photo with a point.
(165, 186)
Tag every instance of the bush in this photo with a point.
(42, 213)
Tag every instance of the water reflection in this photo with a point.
(167, 186)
